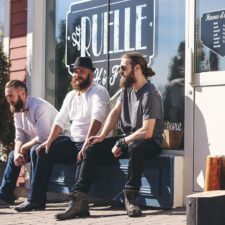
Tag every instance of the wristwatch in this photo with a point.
(121, 143)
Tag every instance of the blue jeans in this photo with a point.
(10, 177)
(62, 150)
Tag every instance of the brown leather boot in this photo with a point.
(78, 207)
(133, 210)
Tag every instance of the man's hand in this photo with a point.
(117, 152)
(80, 154)
(94, 139)
(19, 159)
(118, 148)
(24, 149)
(45, 145)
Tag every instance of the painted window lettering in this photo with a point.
(106, 33)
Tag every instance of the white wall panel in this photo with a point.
(209, 128)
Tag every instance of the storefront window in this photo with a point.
(105, 30)
(1, 20)
(210, 36)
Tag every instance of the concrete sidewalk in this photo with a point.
(100, 215)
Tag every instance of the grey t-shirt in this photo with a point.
(142, 105)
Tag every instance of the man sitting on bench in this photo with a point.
(86, 108)
(140, 111)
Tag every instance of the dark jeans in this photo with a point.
(62, 150)
(101, 154)
(10, 177)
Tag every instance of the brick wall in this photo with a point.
(18, 39)
(18, 57)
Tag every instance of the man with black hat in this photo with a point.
(86, 108)
(140, 112)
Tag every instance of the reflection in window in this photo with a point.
(57, 76)
(173, 101)
(167, 61)
(170, 68)
(210, 36)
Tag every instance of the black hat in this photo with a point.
(83, 62)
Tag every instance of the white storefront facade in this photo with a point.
(183, 41)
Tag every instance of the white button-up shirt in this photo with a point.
(35, 121)
(79, 110)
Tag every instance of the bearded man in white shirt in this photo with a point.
(33, 118)
(86, 108)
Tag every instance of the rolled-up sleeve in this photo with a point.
(62, 118)
(101, 105)
(44, 117)
(20, 135)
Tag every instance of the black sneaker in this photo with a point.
(29, 206)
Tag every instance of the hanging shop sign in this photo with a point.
(213, 31)
(105, 30)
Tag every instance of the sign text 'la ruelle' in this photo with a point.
(105, 32)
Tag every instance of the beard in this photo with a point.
(18, 106)
(80, 84)
(127, 81)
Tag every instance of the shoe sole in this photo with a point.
(28, 210)
(87, 214)
(4, 206)
(134, 214)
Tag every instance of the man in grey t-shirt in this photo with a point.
(140, 105)
(140, 112)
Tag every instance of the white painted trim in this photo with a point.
(6, 28)
(37, 12)
(29, 45)
(208, 78)
(178, 200)
(189, 97)
(50, 78)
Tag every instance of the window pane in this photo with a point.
(210, 36)
(155, 28)
(57, 75)
(168, 62)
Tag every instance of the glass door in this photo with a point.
(205, 87)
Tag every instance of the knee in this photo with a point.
(90, 152)
(33, 154)
(134, 149)
(11, 156)
(87, 153)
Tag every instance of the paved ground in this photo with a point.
(100, 215)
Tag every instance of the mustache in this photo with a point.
(84, 83)
(77, 78)
(17, 107)
(127, 81)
